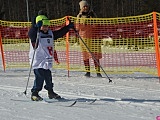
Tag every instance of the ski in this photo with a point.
(21, 100)
(76, 102)
(66, 100)
(45, 101)
(61, 100)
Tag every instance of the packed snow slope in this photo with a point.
(126, 98)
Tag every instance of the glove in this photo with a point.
(71, 25)
(39, 24)
(33, 21)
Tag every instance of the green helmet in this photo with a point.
(44, 19)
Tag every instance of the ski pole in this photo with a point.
(36, 44)
(91, 54)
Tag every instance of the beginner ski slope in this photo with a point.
(136, 98)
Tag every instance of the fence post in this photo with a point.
(67, 46)
(156, 43)
(2, 54)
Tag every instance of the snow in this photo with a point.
(126, 98)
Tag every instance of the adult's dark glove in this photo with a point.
(39, 24)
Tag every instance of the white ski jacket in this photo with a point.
(43, 57)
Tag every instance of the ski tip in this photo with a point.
(93, 101)
(72, 104)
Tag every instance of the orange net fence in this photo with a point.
(122, 45)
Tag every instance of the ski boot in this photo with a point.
(52, 94)
(35, 96)
(87, 74)
(99, 75)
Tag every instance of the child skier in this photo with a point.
(42, 42)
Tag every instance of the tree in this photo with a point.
(16, 10)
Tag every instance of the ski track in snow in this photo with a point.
(129, 98)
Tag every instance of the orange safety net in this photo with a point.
(122, 45)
